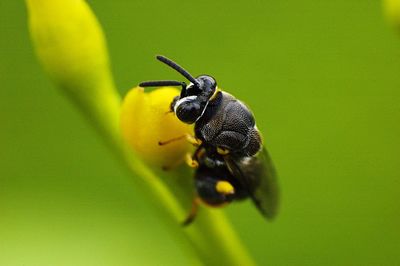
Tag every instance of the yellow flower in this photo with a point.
(146, 120)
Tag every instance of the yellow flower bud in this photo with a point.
(71, 46)
(146, 120)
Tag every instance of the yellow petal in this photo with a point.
(145, 121)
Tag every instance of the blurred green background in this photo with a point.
(322, 78)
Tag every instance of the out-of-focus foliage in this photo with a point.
(392, 12)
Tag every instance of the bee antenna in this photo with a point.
(161, 83)
(178, 68)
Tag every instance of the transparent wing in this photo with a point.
(257, 174)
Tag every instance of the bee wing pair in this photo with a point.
(257, 174)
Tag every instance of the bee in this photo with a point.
(230, 160)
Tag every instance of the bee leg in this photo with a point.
(222, 151)
(193, 163)
(199, 153)
(162, 143)
(191, 160)
(193, 212)
(191, 139)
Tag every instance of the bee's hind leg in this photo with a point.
(193, 212)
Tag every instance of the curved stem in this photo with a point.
(71, 46)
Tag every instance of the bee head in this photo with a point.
(194, 98)
(189, 109)
(205, 87)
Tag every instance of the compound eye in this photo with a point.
(172, 105)
(192, 90)
(188, 111)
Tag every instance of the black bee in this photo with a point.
(231, 162)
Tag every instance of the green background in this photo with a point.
(322, 78)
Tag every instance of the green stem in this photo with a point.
(71, 46)
(211, 235)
